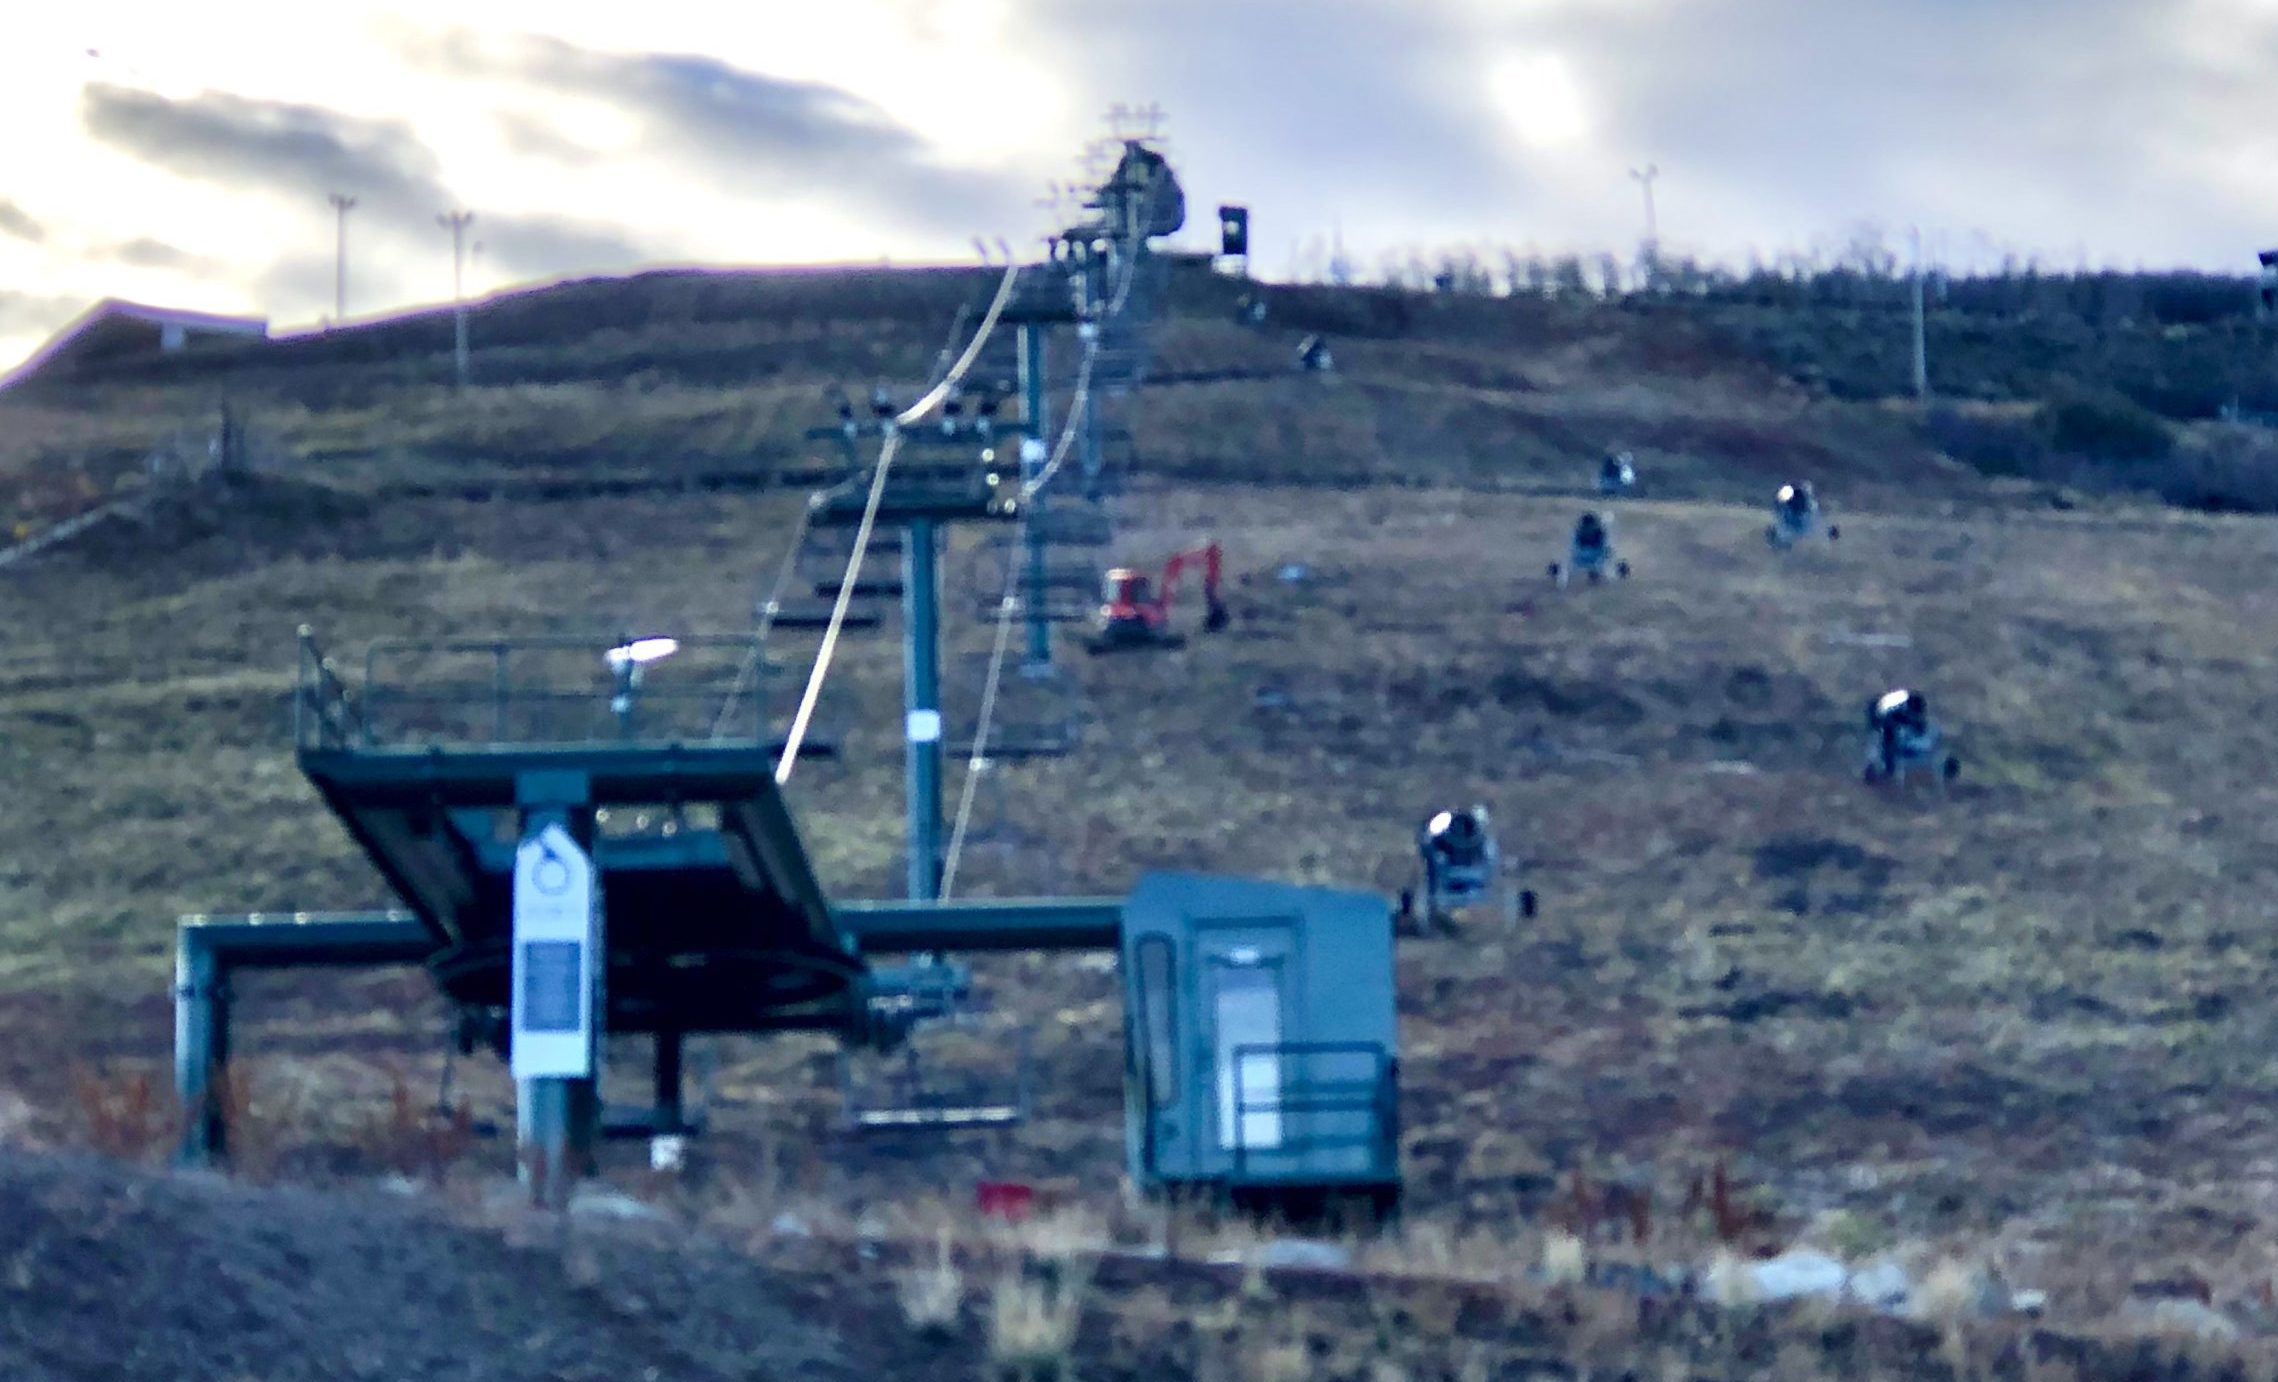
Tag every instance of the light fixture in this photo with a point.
(640, 652)
(626, 660)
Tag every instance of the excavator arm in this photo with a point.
(1211, 560)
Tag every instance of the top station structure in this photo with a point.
(591, 838)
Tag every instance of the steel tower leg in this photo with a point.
(669, 1116)
(201, 1047)
(1034, 454)
(921, 703)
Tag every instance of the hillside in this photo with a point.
(123, 1275)
(697, 371)
(2018, 1018)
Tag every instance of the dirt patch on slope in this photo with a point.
(116, 1274)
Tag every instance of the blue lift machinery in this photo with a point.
(590, 841)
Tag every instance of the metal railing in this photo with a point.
(533, 691)
(325, 715)
(1325, 1096)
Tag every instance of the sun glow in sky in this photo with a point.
(182, 154)
(1537, 94)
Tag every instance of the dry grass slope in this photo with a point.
(2024, 1014)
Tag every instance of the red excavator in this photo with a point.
(1135, 614)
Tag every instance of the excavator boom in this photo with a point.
(1208, 557)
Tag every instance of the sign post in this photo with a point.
(556, 1003)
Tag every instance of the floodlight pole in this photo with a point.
(342, 204)
(1645, 177)
(457, 222)
(921, 703)
(1034, 456)
(1921, 334)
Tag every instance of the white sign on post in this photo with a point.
(556, 944)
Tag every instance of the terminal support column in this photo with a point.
(201, 1048)
(557, 1119)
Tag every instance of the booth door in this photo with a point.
(1247, 1000)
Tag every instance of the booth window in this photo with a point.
(1156, 978)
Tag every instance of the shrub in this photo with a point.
(1994, 445)
(2230, 470)
(1033, 1320)
(413, 1141)
(126, 1116)
(932, 1294)
(2106, 426)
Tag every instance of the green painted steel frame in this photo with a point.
(419, 788)
(208, 949)
(1060, 923)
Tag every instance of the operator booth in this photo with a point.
(1260, 1023)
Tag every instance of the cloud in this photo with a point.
(527, 136)
(143, 252)
(2140, 132)
(1809, 114)
(301, 278)
(300, 285)
(23, 314)
(776, 135)
(538, 245)
(298, 150)
(1373, 120)
(800, 126)
(2139, 129)
(19, 223)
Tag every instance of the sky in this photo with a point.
(184, 155)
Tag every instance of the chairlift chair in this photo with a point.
(816, 614)
(1038, 711)
(1070, 524)
(1118, 463)
(901, 1082)
(1000, 853)
(824, 553)
(1064, 592)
